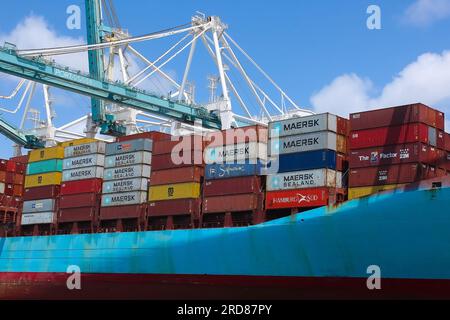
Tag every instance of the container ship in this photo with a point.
(305, 207)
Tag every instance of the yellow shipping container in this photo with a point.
(46, 179)
(189, 190)
(77, 142)
(355, 193)
(46, 154)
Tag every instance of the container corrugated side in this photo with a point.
(234, 153)
(235, 136)
(303, 198)
(43, 205)
(45, 179)
(44, 192)
(304, 179)
(233, 203)
(126, 185)
(308, 142)
(123, 212)
(81, 186)
(46, 154)
(128, 159)
(152, 135)
(124, 198)
(309, 124)
(174, 191)
(90, 160)
(129, 146)
(184, 144)
(307, 161)
(38, 218)
(240, 185)
(77, 142)
(175, 207)
(177, 175)
(85, 149)
(78, 214)
(138, 171)
(82, 200)
(83, 173)
(360, 192)
(171, 161)
(233, 170)
(45, 166)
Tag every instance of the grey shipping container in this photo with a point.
(84, 149)
(127, 185)
(309, 124)
(38, 218)
(305, 179)
(237, 152)
(138, 171)
(90, 160)
(124, 198)
(308, 142)
(129, 146)
(34, 206)
(83, 173)
(128, 159)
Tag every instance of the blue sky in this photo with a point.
(320, 52)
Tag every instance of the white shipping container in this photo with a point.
(84, 149)
(304, 179)
(302, 125)
(126, 185)
(304, 142)
(82, 174)
(236, 152)
(128, 159)
(124, 198)
(37, 218)
(91, 160)
(138, 171)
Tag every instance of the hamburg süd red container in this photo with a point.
(393, 154)
(123, 212)
(175, 207)
(82, 186)
(248, 134)
(413, 113)
(231, 186)
(153, 135)
(44, 192)
(233, 203)
(407, 133)
(304, 198)
(178, 175)
(165, 161)
(78, 214)
(395, 174)
(186, 143)
(81, 200)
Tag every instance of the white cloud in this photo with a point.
(425, 80)
(35, 33)
(425, 12)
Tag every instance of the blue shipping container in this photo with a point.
(304, 161)
(223, 171)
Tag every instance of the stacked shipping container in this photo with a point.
(233, 193)
(124, 192)
(42, 187)
(395, 146)
(308, 162)
(176, 180)
(82, 175)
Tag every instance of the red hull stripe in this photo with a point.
(146, 286)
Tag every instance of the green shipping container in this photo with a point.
(46, 166)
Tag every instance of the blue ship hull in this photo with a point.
(321, 253)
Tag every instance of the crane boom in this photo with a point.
(42, 71)
(14, 134)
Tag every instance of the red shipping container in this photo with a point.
(9, 189)
(82, 186)
(256, 133)
(14, 178)
(397, 116)
(175, 207)
(44, 192)
(234, 203)
(16, 166)
(3, 176)
(78, 214)
(389, 136)
(82, 200)
(185, 143)
(18, 190)
(394, 154)
(10, 201)
(230, 186)
(20, 159)
(447, 141)
(165, 161)
(179, 175)
(303, 198)
(3, 164)
(123, 212)
(395, 174)
(153, 135)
